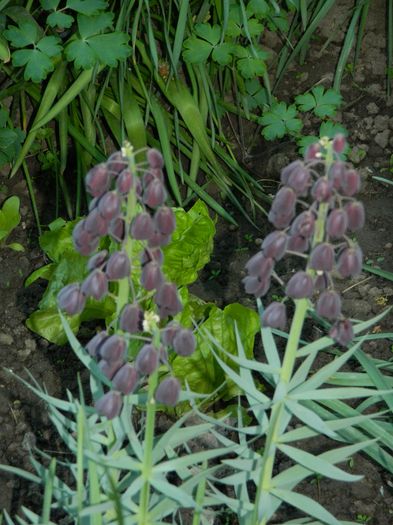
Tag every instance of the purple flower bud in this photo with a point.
(169, 332)
(116, 163)
(350, 183)
(321, 282)
(95, 285)
(256, 286)
(312, 152)
(124, 182)
(260, 266)
(118, 266)
(97, 260)
(297, 243)
(339, 143)
(152, 276)
(117, 229)
(109, 368)
(147, 360)
(356, 215)
(109, 205)
(152, 174)
(303, 225)
(85, 243)
(95, 224)
(337, 224)
(349, 262)
(322, 257)
(336, 173)
(300, 180)
(71, 300)
(274, 245)
(125, 379)
(109, 405)
(284, 202)
(113, 348)
(94, 343)
(142, 227)
(275, 316)
(322, 190)
(97, 180)
(158, 239)
(155, 194)
(154, 158)
(152, 254)
(299, 286)
(280, 220)
(164, 220)
(184, 342)
(329, 305)
(131, 318)
(168, 391)
(290, 169)
(342, 332)
(167, 300)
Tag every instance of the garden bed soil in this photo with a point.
(369, 118)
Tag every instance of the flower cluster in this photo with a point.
(129, 203)
(320, 233)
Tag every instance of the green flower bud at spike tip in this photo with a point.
(356, 215)
(342, 332)
(118, 266)
(109, 405)
(337, 224)
(184, 342)
(322, 257)
(147, 360)
(71, 300)
(300, 286)
(329, 305)
(97, 180)
(125, 379)
(95, 285)
(168, 392)
(142, 227)
(109, 205)
(275, 316)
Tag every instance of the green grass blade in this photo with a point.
(180, 31)
(48, 492)
(377, 271)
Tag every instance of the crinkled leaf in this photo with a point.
(47, 324)
(87, 7)
(280, 120)
(61, 20)
(45, 272)
(322, 103)
(58, 240)
(9, 216)
(191, 246)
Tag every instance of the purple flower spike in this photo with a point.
(169, 332)
(168, 392)
(164, 220)
(356, 215)
(300, 180)
(95, 285)
(260, 266)
(297, 243)
(152, 276)
(155, 194)
(109, 405)
(167, 300)
(118, 266)
(184, 342)
(131, 318)
(275, 316)
(350, 183)
(303, 225)
(274, 245)
(142, 227)
(113, 348)
(322, 257)
(125, 379)
(329, 305)
(300, 286)
(293, 167)
(71, 300)
(342, 332)
(337, 224)
(256, 286)
(94, 343)
(349, 262)
(155, 159)
(147, 360)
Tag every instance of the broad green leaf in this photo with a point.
(9, 216)
(49, 45)
(279, 120)
(24, 35)
(196, 51)
(251, 64)
(259, 8)
(256, 94)
(58, 240)
(222, 53)
(209, 33)
(106, 49)
(38, 60)
(45, 272)
(48, 5)
(322, 103)
(87, 7)
(47, 324)
(93, 25)
(60, 20)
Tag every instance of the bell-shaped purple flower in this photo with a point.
(336, 173)
(337, 224)
(284, 201)
(109, 405)
(256, 286)
(85, 243)
(274, 245)
(303, 225)
(184, 342)
(97, 180)
(349, 262)
(147, 360)
(260, 266)
(164, 220)
(117, 229)
(98, 260)
(131, 318)
(95, 285)
(155, 194)
(152, 254)
(322, 257)
(169, 332)
(168, 391)
(275, 316)
(118, 266)
(71, 299)
(297, 243)
(282, 219)
(95, 342)
(329, 305)
(290, 169)
(154, 158)
(350, 183)
(142, 227)
(109, 205)
(342, 332)
(313, 152)
(95, 224)
(109, 368)
(113, 348)
(167, 300)
(116, 163)
(124, 182)
(300, 180)
(158, 239)
(322, 190)
(300, 286)
(321, 282)
(339, 143)
(356, 215)
(152, 276)
(125, 379)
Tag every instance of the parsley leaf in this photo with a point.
(58, 19)
(280, 120)
(206, 41)
(322, 103)
(248, 65)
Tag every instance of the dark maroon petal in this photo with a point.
(109, 405)
(356, 215)
(300, 286)
(280, 220)
(297, 243)
(109, 368)
(131, 318)
(184, 342)
(154, 158)
(329, 305)
(274, 245)
(152, 276)
(291, 168)
(125, 379)
(95, 342)
(113, 348)
(124, 182)
(97, 260)
(350, 183)
(303, 225)
(275, 316)
(117, 229)
(167, 300)
(168, 391)
(142, 227)
(322, 257)
(284, 202)
(109, 205)
(349, 262)
(118, 266)
(155, 194)
(169, 332)
(312, 152)
(337, 224)
(256, 286)
(164, 220)
(147, 360)
(95, 285)
(152, 174)
(300, 180)
(71, 300)
(322, 190)
(342, 332)
(97, 180)
(339, 143)
(116, 163)
(336, 173)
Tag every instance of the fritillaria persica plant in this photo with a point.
(129, 204)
